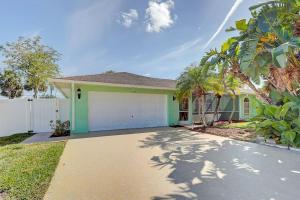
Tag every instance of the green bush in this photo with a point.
(280, 122)
(60, 128)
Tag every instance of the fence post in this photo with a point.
(30, 116)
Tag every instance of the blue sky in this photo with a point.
(156, 38)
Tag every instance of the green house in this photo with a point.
(121, 100)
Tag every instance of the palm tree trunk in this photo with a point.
(35, 92)
(233, 107)
(203, 110)
(245, 79)
(258, 92)
(199, 107)
(216, 109)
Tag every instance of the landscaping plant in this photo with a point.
(194, 79)
(266, 52)
(280, 122)
(60, 128)
(268, 45)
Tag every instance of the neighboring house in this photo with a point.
(120, 100)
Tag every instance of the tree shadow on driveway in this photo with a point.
(211, 168)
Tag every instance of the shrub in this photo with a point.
(280, 122)
(60, 128)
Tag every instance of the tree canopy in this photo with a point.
(33, 60)
(10, 84)
(194, 80)
(265, 55)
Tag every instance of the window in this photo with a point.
(184, 109)
(246, 107)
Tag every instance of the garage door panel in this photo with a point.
(108, 111)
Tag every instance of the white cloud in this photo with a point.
(229, 14)
(86, 26)
(158, 15)
(127, 19)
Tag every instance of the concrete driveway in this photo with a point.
(173, 164)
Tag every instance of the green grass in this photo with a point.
(26, 169)
(241, 125)
(14, 139)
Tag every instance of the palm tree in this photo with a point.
(269, 44)
(218, 88)
(223, 80)
(232, 87)
(228, 60)
(194, 80)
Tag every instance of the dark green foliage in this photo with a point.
(35, 61)
(14, 139)
(194, 79)
(60, 128)
(10, 84)
(269, 40)
(280, 122)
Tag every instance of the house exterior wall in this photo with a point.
(252, 104)
(173, 110)
(226, 106)
(81, 124)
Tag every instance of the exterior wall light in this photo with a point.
(174, 98)
(79, 93)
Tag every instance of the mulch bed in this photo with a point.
(234, 133)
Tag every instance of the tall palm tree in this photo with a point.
(218, 88)
(223, 80)
(194, 80)
(228, 60)
(269, 43)
(232, 87)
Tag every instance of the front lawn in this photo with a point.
(14, 139)
(26, 169)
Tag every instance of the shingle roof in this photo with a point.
(124, 78)
(246, 90)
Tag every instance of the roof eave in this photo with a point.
(53, 80)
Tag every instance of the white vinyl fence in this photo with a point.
(23, 115)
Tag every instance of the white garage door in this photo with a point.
(108, 111)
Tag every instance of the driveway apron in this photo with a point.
(173, 163)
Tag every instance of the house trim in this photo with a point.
(109, 84)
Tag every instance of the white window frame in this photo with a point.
(184, 111)
(244, 104)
